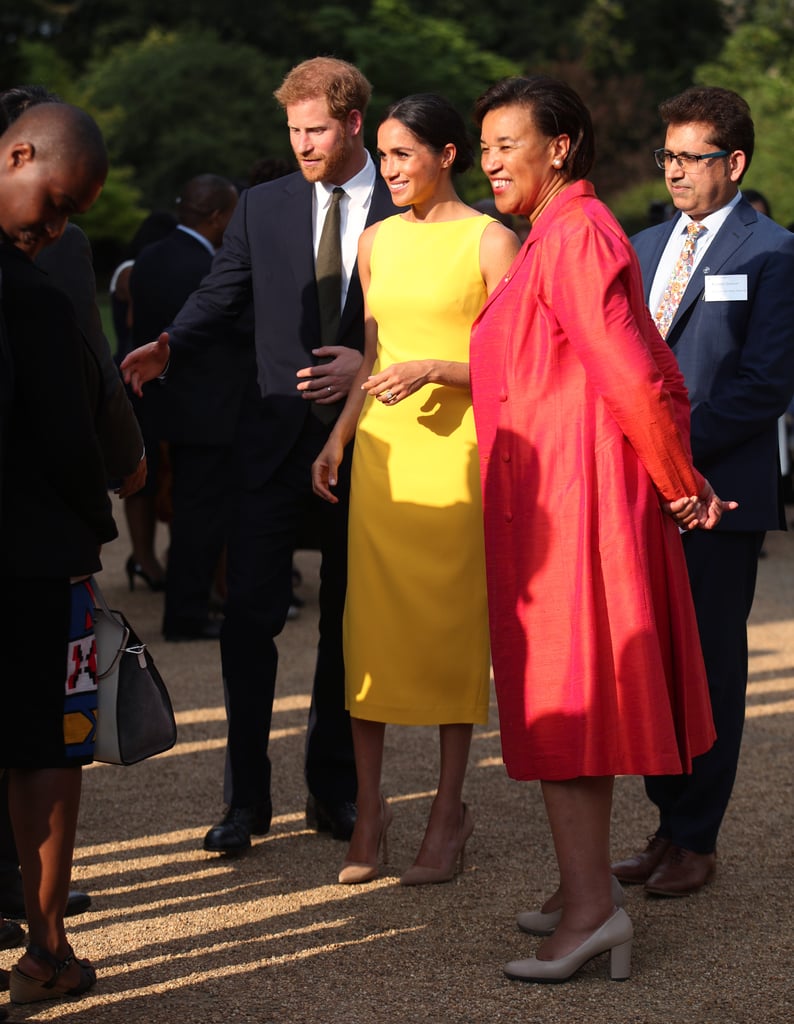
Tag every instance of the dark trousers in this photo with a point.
(200, 496)
(722, 573)
(265, 527)
(9, 861)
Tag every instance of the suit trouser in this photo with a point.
(722, 572)
(200, 495)
(266, 524)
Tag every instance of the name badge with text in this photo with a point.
(726, 288)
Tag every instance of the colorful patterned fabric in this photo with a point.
(80, 697)
(679, 279)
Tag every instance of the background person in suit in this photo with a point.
(733, 337)
(197, 408)
(269, 255)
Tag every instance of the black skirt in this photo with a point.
(48, 684)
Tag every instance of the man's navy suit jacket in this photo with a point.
(268, 257)
(737, 358)
(199, 402)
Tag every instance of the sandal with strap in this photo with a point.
(25, 989)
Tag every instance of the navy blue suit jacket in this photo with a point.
(737, 358)
(199, 402)
(268, 257)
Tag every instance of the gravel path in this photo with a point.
(179, 935)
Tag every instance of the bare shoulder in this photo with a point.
(366, 239)
(498, 247)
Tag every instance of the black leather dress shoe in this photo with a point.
(11, 934)
(181, 630)
(233, 834)
(12, 904)
(338, 819)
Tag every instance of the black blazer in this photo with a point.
(56, 511)
(69, 266)
(6, 386)
(199, 402)
(267, 257)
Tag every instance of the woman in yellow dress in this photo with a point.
(416, 620)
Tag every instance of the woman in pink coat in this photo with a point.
(583, 430)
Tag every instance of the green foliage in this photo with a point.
(284, 29)
(177, 104)
(529, 34)
(175, 99)
(403, 52)
(758, 62)
(632, 207)
(41, 66)
(627, 37)
(117, 212)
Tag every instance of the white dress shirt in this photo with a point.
(353, 211)
(675, 243)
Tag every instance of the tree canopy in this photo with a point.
(186, 86)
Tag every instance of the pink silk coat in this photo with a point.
(583, 429)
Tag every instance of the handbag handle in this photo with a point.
(101, 606)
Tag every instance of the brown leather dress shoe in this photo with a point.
(638, 869)
(682, 872)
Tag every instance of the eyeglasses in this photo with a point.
(689, 162)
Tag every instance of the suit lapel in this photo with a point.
(295, 216)
(731, 236)
(650, 262)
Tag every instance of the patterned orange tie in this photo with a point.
(679, 279)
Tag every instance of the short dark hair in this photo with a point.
(754, 198)
(436, 123)
(202, 195)
(66, 133)
(268, 168)
(15, 101)
(556, 109)
(723, 111)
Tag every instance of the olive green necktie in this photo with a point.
(328, 274)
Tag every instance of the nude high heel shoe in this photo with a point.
(420, 875)
(614, 936)
(535, 922)
(357, 872)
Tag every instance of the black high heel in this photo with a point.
(135, 569)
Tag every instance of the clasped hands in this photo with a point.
(701, 512)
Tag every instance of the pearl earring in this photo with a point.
(558, 163)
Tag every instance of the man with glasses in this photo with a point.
(719, 282)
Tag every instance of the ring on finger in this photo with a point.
(389, 396)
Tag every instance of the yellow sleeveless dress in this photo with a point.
(416, 620)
